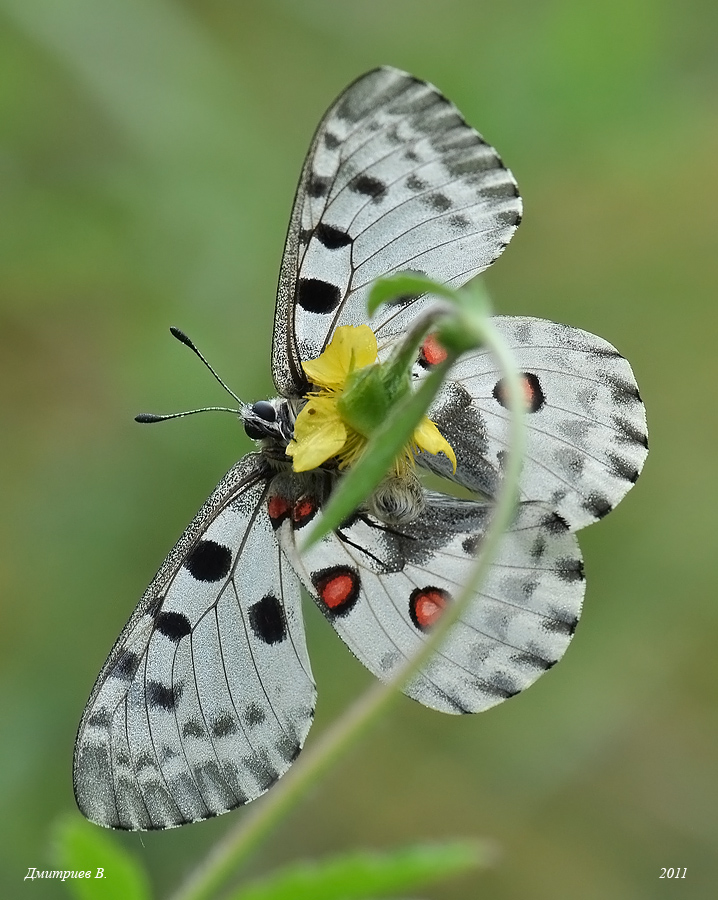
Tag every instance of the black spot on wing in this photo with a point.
(212, 782)
(538, 548)
(500, 190)
(509, 217)
(267, 620)
(126, 665)
(533, 661)
(569, 569)
(332, 238)
(288, 748)
(597, 505)
(554, 523)
(458, 221)
(101, 718)
(369, 186)
(623, 390)
(173, 625)
(317, 296)
(629, 432)
(318, 186)
(414, 183)
(605, 352)
(209, 561)
(623, 468)
(475, 160)
(261, 769)
(145, 761)
(163, 696)
(561, 625)
(453, 700)
(500, 684)
(154, 606)
(254, 714)
(438, 202)
(192, 728)
(331, 141)
(224, 725)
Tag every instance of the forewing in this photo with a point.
(207, 696)
(380, 586)
(586, 424)
(394, 180)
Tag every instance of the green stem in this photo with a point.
(239, 842)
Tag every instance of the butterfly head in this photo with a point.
(269, 419)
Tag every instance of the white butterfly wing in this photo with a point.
(379, 587)
(207, 696)
(394, 180)
(586, 423)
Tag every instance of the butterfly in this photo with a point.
(207, 696)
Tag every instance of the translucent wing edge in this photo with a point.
(250, 470)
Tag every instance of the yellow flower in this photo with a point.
(324, 429)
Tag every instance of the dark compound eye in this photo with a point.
(263, 409)
(265, 412)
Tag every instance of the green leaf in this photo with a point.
(381, 450)
(462, 327)
(82, 847)
(411, 284)
(363, 875)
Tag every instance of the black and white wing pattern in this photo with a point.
(207, 696)
(382, 587)
(586, 423)
(394, 180)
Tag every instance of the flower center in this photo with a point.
(352, 399)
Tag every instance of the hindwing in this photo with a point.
(585, 421)
(382, 587)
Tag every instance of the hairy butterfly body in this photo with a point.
(207, 696)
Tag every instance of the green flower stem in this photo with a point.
(262, 817)
(398, 366)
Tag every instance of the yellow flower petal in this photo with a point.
(351, 347)
(428, 437)
(323, 432)
(319, 434)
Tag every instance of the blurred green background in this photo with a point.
(149, 151)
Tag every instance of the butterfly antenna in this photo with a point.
(148, 418)
(183, 339)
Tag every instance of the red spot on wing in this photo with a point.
(278, 508)
(426, 606)
(338, 588)
(531, 387)
(303, 511)
(431, 352)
